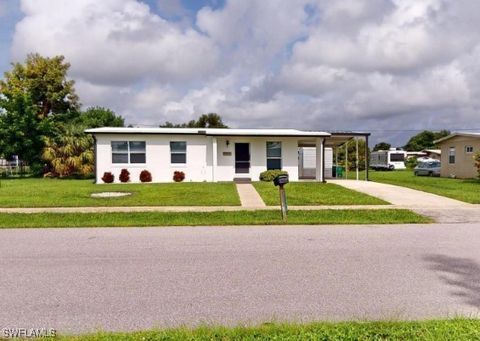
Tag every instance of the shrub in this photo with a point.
(411, 162)
(271, 174)
(108, 177)
(178, 176)
(145, 176)
(476, 158)
(124, 175)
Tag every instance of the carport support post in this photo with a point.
(356, 158)
(346, 159)
(214, 158)
(320, 162)
(366, 158)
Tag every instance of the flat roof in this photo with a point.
(464, 134)
(209, 131)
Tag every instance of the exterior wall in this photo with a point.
(464, 166)
(157, 157)
(225, 170)
(199, 157)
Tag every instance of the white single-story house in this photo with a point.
(215, 154)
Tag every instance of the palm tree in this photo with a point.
(70, 152)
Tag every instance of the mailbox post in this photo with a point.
(281, 181)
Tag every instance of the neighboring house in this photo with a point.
(212, 154)
(457, 153)
(411, 154)
(435, 154)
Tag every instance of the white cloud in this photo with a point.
(113, 42)
(335, 64)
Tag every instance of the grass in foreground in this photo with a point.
(315, 193)
(261, 217)
(464, 190)
(435, 330)
(34, 192)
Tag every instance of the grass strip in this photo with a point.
(315, 193)
(34, 192)
(434, 330)
(260, 217)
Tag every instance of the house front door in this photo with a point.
(242, 158)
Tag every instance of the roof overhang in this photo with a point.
(475, 135)
(210, 132)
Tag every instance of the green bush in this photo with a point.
(476, 158)
(271, 174)
(411, 162)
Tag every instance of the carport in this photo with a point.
(318, 159)
(340, 141)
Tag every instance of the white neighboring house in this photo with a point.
(213, 154)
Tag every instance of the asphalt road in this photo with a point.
(79, 280)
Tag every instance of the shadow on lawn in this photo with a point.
(462, 274)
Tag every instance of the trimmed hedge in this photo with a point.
(124, 175)
(145, 176)
(271, 174)
(108, 177)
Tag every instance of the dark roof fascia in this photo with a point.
(336, 133)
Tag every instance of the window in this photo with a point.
(451, 155)
(128, 152)
(397, 157)
(469, 149)
(137, 152)
(274, 155)
(178, 152)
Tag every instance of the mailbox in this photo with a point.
(280, 180)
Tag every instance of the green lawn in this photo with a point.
(435, 330)
(464, 190)
(315, 193)
(260, 217)
(34, 192)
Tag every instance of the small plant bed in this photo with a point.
(467, 190)
(455, 329)
(34, 192)
(260, 217)
(315, 193)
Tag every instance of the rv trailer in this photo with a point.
(388, 159)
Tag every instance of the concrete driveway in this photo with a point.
(441, 209)
(79, 280)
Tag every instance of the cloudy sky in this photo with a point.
(386, 66)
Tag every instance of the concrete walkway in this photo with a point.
(249, 196)
(440, 209)
(401, 196)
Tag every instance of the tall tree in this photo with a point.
(382, 146)
(21, 130)
(424, 140)
(210, 120)
(34, 98)
(95, 117)
(45, 80)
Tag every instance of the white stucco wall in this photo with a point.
(199, 157)
(157, 157)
